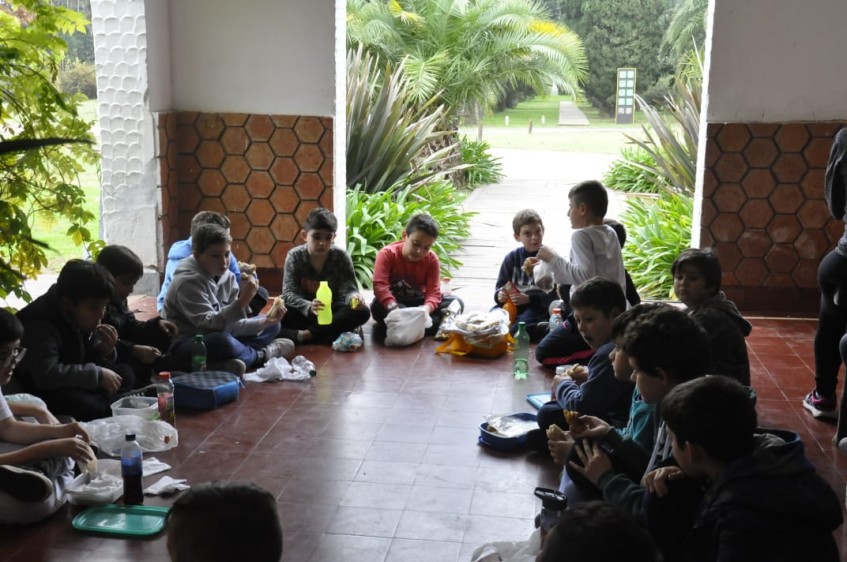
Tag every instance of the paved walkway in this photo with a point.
(534, 179)
(570, 114)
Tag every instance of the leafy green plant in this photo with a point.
(482, 167)
(657, 231)
(388, 135)
(633, 172)
(671, 136)
(375, 220)
(78, 77)
(37, 176)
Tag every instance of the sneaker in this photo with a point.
(234, 366)
(280, 347)
(23, 484)
(821, 407)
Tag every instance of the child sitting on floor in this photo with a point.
(697, 284)
(665, 348)
(224, 521)
(595, 252)
(763, 499)
(181, 249)
(531, 301)
(407, 273)
(205, 299)
(140, 344)
(593, 390)
(35, 459)
(72, 363)
(305, 267)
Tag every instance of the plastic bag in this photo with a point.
(479, 334)
(109, 434)
(405, 326)
(448, 318)
(278, 369)
(516, 551)
(347, 341)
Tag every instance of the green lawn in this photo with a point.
(548, 108)
(53, 231)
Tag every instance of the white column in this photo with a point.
(129, 171)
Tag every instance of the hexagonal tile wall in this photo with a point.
(265, 171)
(764, 207)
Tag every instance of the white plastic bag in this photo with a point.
(521, 551)
(405, 326)
(109, 434)
(278, 369)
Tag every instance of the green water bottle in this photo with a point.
(521, 352)
(324, 294)
(198, 354)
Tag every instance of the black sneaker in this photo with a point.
(23, 484)
(536, 440)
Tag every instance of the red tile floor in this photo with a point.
(376, 458)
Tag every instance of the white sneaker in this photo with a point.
(234, 366)
(280, 347)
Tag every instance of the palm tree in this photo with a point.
(687, 27)
(466, 52)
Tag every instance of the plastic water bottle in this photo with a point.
(446, 286)
(521, 353)
(553, 506)
(555, 319)
(131, 459)
(165, 394)
(300, 363)
(324, 295)
(198, 354)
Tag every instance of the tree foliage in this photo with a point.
(33, 178)
(467, 52)
(615, 34)
(687, 27)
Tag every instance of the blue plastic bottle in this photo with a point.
(131, 459)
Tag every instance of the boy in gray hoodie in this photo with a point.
(204, 298)
(697, 284)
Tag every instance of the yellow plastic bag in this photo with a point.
(490, 348)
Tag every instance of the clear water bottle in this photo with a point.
(131, 459)
(300, 363)
(198, 354)
(520, 366)
(555, 319)
(165, 394)
(446, 286)
(324, 294)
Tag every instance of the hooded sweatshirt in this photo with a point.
(199, 303)
(180, 250)
(769, 505)
(726, 328)
(835, 184)
(595, 252)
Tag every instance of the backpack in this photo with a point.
(205, 390)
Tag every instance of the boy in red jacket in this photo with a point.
(407, 273)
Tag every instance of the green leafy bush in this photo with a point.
(78, 77)
(375, 220)
(634, 172)
(657, 231)
(482, 167)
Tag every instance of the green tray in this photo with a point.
(124, 520)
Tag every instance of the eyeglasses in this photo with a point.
(16, 356)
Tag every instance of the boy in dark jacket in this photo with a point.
(140, 344)
(591, 390)
(697, 284)
(71, 362)
(665, 348)
(763, 499)
(531, 301)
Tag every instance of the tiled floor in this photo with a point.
(376, 458)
